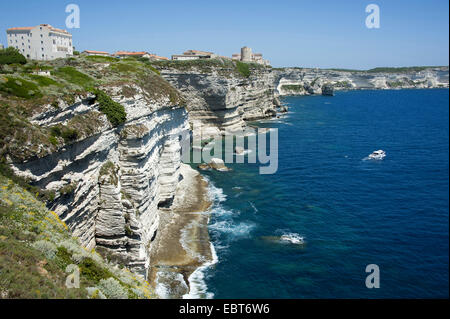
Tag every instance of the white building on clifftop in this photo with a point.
(42, 42)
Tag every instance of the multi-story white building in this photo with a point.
(42, 42)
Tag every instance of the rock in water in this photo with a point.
(239, 150)
(283, 109)
(204, 167)
(218, 164)
(328, 89)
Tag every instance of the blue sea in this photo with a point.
(351, 211)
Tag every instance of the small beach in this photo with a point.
(182, 244)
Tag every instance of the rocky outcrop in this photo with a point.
(327, 89)
(303, 81)
(221, 101)
(116, 179)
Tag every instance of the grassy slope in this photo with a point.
(224, 67)
(23, 93)
(36, 248)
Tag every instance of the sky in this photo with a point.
(320, 33)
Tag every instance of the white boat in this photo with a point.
(293, 239)
(378, 155)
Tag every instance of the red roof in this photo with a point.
(98, 52)
(129, 53)
(17, 29)
(158, 57)
(41, 25)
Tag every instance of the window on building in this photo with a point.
(42, 42)
(41, 36)
(54, 42)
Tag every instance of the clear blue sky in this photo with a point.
(327, 33)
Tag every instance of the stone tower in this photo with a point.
(246, 54)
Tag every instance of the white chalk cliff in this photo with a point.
(119, 177)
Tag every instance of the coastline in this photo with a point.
(182, 246)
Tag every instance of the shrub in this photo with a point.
(112, 289)
(53, 140)
(67, 133)
(95, 293)
(67, 189)
(243, 68)
(115, 112)
(45, 247)
(11, 55)
(92, 271)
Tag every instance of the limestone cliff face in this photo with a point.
(223, 102)
(295, 81)
(109, 184)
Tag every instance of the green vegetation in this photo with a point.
(37, 253)
(19, 87)
(292, 87)
(24, 93)
(124, 67)
(72, 75)
(342, 84)
(11, 55)
(101, 59)
(67, 133)
(43, 80)
(224, 67)
(243, 68)
(115, 112)
(20, 139)
(314, 81)
(68, 189)
(109, 169)
(41, 194)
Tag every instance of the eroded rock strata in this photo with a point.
(120, 187)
